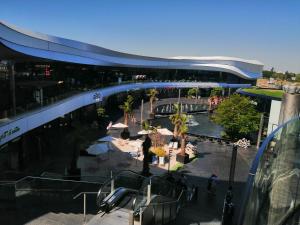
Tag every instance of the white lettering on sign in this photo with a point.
(9, 132)
(97, 96)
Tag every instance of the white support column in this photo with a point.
(12, 86)
(148, 193)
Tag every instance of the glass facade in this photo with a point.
(42, 83)
(274, 191)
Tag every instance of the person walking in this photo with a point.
(212, 183)
(146, 146)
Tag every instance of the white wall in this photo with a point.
(274, 116)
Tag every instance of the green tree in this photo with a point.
(101, 112)
(192, 92)
(152, 94)
(217, 91)
(127, 108)
(101, 115)
(298, 77)
(238, 116)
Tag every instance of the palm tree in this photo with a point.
(175, 119)
(152, 94)
(127, 108)
(101, 115)
(192, 93)
(182, 131)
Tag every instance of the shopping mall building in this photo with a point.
(47, 79)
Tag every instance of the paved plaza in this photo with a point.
(212, 158)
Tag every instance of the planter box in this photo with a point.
(182, 158)
(161, 160)
(154, 160)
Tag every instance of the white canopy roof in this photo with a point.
(107, 138)
(98, 149)
(119, 125)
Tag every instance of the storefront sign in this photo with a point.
(9, 132)
(97, 97)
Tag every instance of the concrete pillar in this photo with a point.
(12, 87)
(41, 96)
(290, 107)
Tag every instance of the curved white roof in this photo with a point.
(49, 47)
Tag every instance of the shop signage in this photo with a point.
(97, 97)
(9, 132)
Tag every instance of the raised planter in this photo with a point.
(154, 160)
(182, 158)
(161, 160)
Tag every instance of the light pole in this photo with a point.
(179, 90)
(169, 155)
(260, 130)
(232, 165)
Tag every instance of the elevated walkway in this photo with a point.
(14, 127)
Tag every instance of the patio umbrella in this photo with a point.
(98, 149)
(107, 138)
(136, 143)
(145, 132)
(165, 132)
(119, 126)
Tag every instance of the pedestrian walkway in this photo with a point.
(214, 158)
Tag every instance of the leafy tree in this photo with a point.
(237, 115)
(192, 92)
(217, 91)
(101, 112)
(152, 94)
(127, 108)
(101, 115)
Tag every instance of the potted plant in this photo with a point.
(175, 119)
(182, 131)
(160, 153)
(127, 108)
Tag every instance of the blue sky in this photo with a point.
(266, 30)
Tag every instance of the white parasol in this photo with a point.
(98, 149)
(164, 131)
(107, 138)
(145, 132)
(119, 126)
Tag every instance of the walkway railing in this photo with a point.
(161, 212)
(85, 202)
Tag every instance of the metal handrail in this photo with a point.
(113, 177)
(155, 206)
(164, 203)
(84, 202)
(119, 173)
(56, 179)
(82, 193)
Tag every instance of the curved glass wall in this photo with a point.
(273, 182)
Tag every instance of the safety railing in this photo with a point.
(125, 178)
(84, 194)
(161, 212)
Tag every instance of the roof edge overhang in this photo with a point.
(65, 50)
